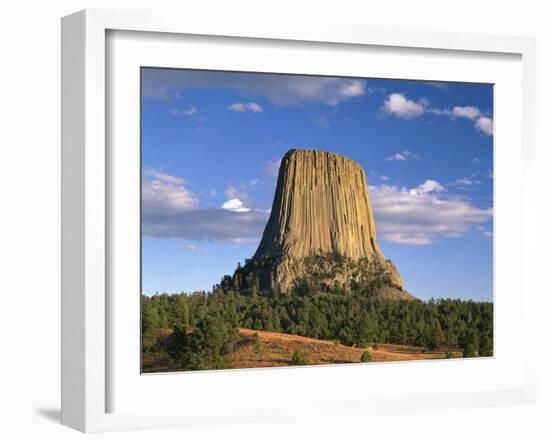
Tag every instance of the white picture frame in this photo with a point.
(87, 356)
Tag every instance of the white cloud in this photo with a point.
(482, 123)
(282, 90)
(384, 178)
(271, 167)
(427, 186)
(402, 156)
(396, 157)
(193, 249)
(485, 125)
(236, 205)
(233, 193)
(401, 107)
(160, 175)
(353, 88)
(421, 215)
(466, 181)
(463, 182)
(185, 112)
(246, 107)
(170, 210)
(469, 112)
(163, 193)
(437, 111)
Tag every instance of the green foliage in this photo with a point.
(258, 346)
(486, 345)
(470, 351)
(205, 325)
(436, 337)
(150, 318)
(300, 357)
(471, 344)
(366, 356)
(181, 313)
(205, 347)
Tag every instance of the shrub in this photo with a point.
(258, 346)
(486, 345)
(366, 356)
(470, 351)
(376, 346)
(300, 357)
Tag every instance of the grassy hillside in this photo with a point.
(271, 349)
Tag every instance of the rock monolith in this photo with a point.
(321, 229)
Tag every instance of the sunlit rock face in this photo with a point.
(321, 229)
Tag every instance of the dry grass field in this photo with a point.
(276, 349)
(269, 349)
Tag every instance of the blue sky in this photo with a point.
(212, 142)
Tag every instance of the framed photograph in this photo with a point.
(277, 223)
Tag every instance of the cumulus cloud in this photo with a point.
(401, 107)
(427, 186)
(164, 193)
(482, 122)
(402, 156)
(484, 125)
(246, 107)
(234, 193)
(421, 215)
(282, 90)
(469, 112)
(396, 157)
(353, 88)
(236, 205)
(170, 210)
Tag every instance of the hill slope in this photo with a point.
(276, 350)
(257, 348)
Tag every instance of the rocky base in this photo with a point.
(322, 272)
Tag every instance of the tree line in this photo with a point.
(205, 324)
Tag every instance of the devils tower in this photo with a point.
(321, 230)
